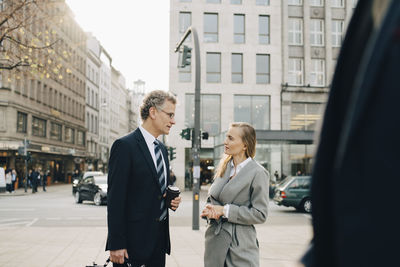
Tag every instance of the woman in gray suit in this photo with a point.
(238, 199)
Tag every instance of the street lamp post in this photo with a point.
(196, 135)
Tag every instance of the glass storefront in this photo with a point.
(279, 151)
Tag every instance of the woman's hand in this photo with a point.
(212, 211)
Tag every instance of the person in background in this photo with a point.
(8, 180)
(238, 199)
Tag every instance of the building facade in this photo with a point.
(45, 102)
(93, 64)
(268, 63)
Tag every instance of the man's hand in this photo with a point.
(118, 256)
(175, 203)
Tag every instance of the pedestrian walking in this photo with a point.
(237, 199)
(138, 221)
(34, 180)
(44, 182)
(8, 180)
(13, 180)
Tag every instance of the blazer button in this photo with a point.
(157, 219)
(160, 196)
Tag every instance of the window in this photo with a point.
(210, 27)
(337, 32)
(22, 120)
(237, 68)
(185, 20)
(214, 1)
(81, 138)
(317, 32)
(317, 72)
(316, 3)
(262, 69)
(186, 0)
(38, 127)
(238, 29)
(69, 135)
(213, 67)
(304, 116)
(236, 2)
(295, 2)
(253, 109)
(295, 71)
(295, 31)
(210, 116)
(263, 29)
(262, 2)
(55, 131)
(337, 3)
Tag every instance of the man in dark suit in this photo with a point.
(353, 214)
(138, 225)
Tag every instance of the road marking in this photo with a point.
(17, 209)
(53, 219)
(32, 222)
(9, 220)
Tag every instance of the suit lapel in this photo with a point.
(230, 190)
(366, 79)
(146, 154)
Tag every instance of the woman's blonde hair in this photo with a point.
(248, 135)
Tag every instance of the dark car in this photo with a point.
(80, 178)
(294, 191)
(93, 188)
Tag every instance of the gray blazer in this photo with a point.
(233, 242)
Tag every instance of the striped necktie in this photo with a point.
(161, 177)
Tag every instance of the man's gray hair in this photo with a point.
(155, 99)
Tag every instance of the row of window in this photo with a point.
(213, 68)
(92, 98)
(253, 109)
(211, 26)
(92, 124)
(296, 72)
(39, 128)
(334, 3)
(317, 32)
(235, 2)
(36, 90)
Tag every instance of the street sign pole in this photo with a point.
(196, 135)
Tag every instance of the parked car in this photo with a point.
(75, 182)
(294, 191)
(93, 188)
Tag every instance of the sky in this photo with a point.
(135, 33)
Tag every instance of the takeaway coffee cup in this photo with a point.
(172, 192)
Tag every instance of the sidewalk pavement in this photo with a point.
(280, 245)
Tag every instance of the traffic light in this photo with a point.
(172, 153)
(186, 133)
(204, 135)
(186, 56)
(21, 151)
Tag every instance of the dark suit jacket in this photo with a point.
(134, 197)
(357, 161)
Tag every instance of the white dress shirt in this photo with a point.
(234, 171)
(149, 138)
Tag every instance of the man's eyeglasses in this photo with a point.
(171, 115)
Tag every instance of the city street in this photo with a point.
(49, 229)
